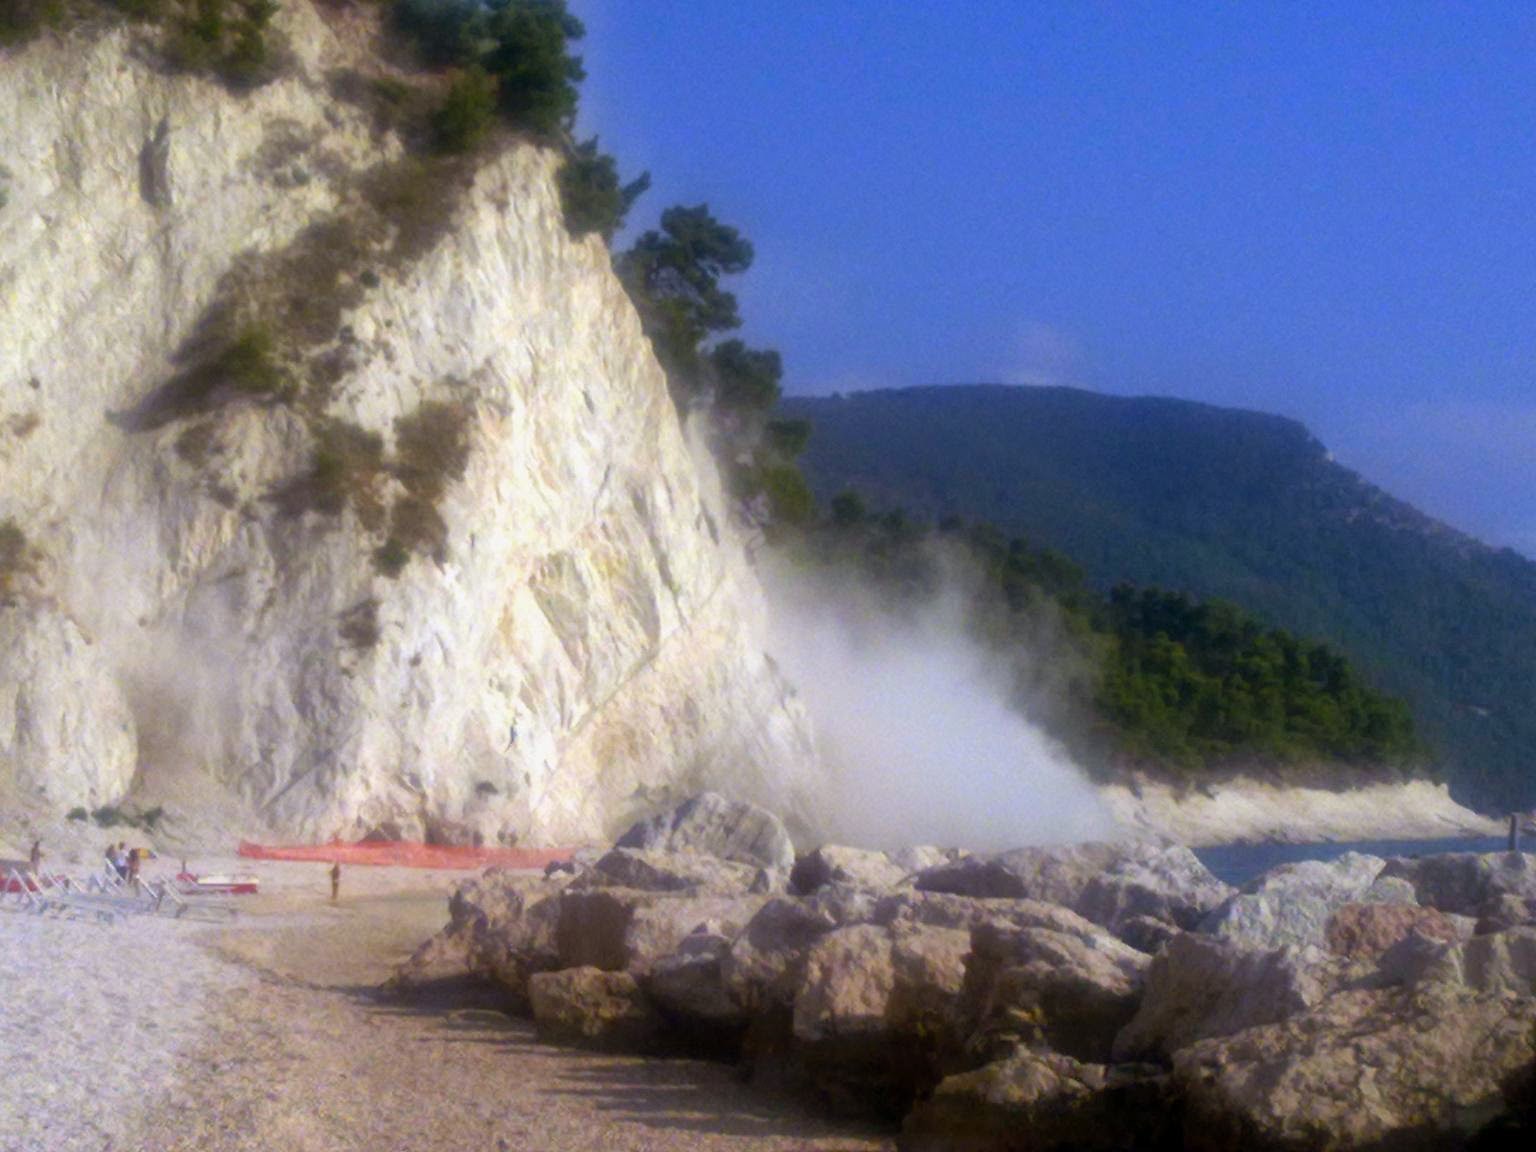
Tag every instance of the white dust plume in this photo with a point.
(915, 728)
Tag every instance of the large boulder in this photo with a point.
(1109, 883)
(656, 871)
(1466, 883)
(1034, 1101)
(1043, 987)
(1501, 963)
(710, 825)
(1363, 1069)
(1199, 987)
(1168, 884)
(836, 864)
(1365, 931)
(616, 929)
(941, 910)
(689, 989)
(505, 925)
(876, 1009)
(1290, 906)
(591, 1008)
(765, 963)
(1055, 875)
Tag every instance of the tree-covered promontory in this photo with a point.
(1130, 679)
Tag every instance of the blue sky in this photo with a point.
(1322, 210)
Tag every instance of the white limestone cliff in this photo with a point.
(585, 642)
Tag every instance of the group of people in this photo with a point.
(125, 861)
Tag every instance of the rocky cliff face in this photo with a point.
(340, 481)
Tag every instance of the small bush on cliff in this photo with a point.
(591, 196)
(15, 558)
(228, 38)
(20, 20)
(467, 112)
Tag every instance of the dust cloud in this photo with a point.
(915, 728)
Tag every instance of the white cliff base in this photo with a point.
(1243, 811)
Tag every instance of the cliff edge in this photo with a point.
(340, 490)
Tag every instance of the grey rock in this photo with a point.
(590, 1008)
(1168, 884)
(836, 864)
(1034, 1101)
(1465, 882)
(1199, 987)
(1364, 1069)
(710, 825)
(649, 870)
(617, 929)
(1290, 906)
(1043, 987)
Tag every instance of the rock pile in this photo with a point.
(1099, 996)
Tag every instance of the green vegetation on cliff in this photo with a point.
(1226, 504)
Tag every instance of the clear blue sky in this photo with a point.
(1322, 210)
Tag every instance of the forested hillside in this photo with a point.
(1238, 505)
(1139, 680)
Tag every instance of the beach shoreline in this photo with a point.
(157, 1035)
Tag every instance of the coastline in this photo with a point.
(1245, 811)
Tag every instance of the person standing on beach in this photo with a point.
(335, 880)
(35, 860)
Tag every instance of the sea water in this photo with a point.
(1239, 863)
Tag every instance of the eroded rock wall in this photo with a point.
(577, 638)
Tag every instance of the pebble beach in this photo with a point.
(157, 1035)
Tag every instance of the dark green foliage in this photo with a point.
(848, 510)
(225, 37)
(788, 438)
(78, 814)
(789, 497)
(219, 363)
(391, 557)
(523, 44)
(537, 75)
(467, 112)
(1138, 679)
(20, 20)
(446, 32)
(1191, 682)
(591, 196)
(1232, 505)
(673, 275)
(111, 816)
(746, 379)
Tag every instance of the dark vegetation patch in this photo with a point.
(16, 559)
(431, 454)
(358, 626)
(346, 470)
(113, 816)
(23, 424)
(229, 39)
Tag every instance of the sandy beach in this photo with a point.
(169, 1036)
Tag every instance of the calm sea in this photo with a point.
(1239, 863)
